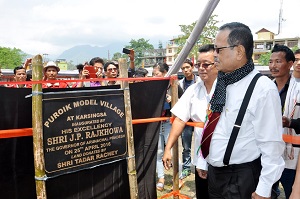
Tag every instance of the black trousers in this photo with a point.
(201, 187)
(233, 181)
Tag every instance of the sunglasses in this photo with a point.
(204, 65)
(111, 69)
(218, 49)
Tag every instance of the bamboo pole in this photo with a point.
(131, 167)
(174, 99)
(39, 162)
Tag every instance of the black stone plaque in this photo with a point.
(83, 129)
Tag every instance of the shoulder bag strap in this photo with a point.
(239, 119)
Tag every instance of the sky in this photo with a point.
(53, 26)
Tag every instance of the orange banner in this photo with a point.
(291, 139)
(10, 133)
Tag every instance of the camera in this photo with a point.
(92, 71)
(126, 51)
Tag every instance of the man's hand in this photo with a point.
(286, 122)
(255, 196)
(202, 173)
(168, 98)
(99, 74)
(167, 159)
(85, 74)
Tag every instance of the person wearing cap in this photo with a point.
(50, 73)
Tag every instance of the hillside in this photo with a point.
(81, 53)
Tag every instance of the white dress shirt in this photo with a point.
(260, 133)
(192, 105)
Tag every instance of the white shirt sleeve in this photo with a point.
(268, 136)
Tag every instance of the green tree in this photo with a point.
(295, 48)
(11, 57)
(160, 46)
(118, 55)
(208, 34)
(71, 65)
(264, 59)
(139, 46)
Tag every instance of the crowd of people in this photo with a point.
(93, 73)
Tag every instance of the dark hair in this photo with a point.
(111, 62)
(96, 60)
(188, 61)
(156, 65)
(18, 68)
(289, 55)
(206, 48)
(141, 72)
(79, 67)
(166, 67)
(297, 52)
(240, 34)
(162, 67)
(116, 63)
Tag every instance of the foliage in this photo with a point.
(208, 34)
(118, 55)
(139, 46)
(71, 65)
(11, 57)
(160, 46)
(264, 59)
(295, 48)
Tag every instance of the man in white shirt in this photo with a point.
(281, 60)
(296, 73)
(256, 161)
(192, 105)
(189, 79)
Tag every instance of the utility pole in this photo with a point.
(280, 17)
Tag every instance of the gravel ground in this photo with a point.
(189, 186)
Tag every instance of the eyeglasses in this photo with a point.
(218, 49)
(204, 65)
(111, 69)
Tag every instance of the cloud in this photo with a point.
(52, 26)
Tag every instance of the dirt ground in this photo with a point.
(189, 186)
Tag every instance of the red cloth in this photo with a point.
(208, 131)
(16, 86)
(55, 85)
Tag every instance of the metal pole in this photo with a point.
(37, 126)
(203, 19)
